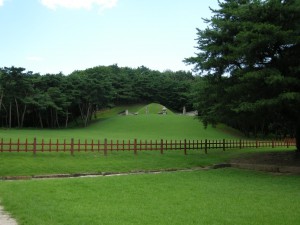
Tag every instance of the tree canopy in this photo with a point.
(54, 100)
(250, 57)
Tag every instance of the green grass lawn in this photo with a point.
(145, 127)
(225, 196)
(111, 126)
(26, 164)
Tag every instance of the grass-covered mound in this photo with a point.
(150, 126)
(154, 108)
(153, 126)
(115, 111)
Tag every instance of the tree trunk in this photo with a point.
(23, 115)
(56, 118)
(1, 97)
(298, 136)
(18, 114)
(41, 121)
(52, 122)
(87, 116)
(9, 120)
(67, 118)
(81, 112)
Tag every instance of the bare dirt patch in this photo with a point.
(278, 162)
(290, 158)
(6, 219)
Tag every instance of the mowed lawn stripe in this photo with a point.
(225, 196)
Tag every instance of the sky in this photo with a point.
(53, 36)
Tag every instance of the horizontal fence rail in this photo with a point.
(135, 145)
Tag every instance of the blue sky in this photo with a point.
(52, 36)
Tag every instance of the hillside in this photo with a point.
(154, 108)
(157, 126)
(150, 126)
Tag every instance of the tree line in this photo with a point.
(250, 58)
(29, 99)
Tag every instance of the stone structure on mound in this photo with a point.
(163, 111)
(127, 113)
(191, 113)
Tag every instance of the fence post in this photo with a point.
(205, 146)
(105, 147)
(287, 143)
(135, 147)
(26, 142)
(34, 146)
(1, 144)
(57, 144)
(10, 144)
(161, 146)
(50, 145)
(18, 145)
(72, 146)
(64, 145)
(185, 146)
(240, 143)
(223, 144)
(272, 143)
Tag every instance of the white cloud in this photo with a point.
(78, 4)
(1, 2)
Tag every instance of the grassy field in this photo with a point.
(26, 164)
(112, 126)
(226, 196)
(145, 127)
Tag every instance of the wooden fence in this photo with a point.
(134, 145)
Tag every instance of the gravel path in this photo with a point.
(5, 218)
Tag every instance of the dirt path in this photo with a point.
(5, 218)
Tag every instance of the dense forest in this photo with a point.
(29, 99)
(250, 57)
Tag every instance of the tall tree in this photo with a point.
(250, 54)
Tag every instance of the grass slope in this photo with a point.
(112, 126)
(156, 127)
(217, 197)
(108, 113)
(153, 108)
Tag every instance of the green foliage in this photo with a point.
(249, 54)
(55, 100)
